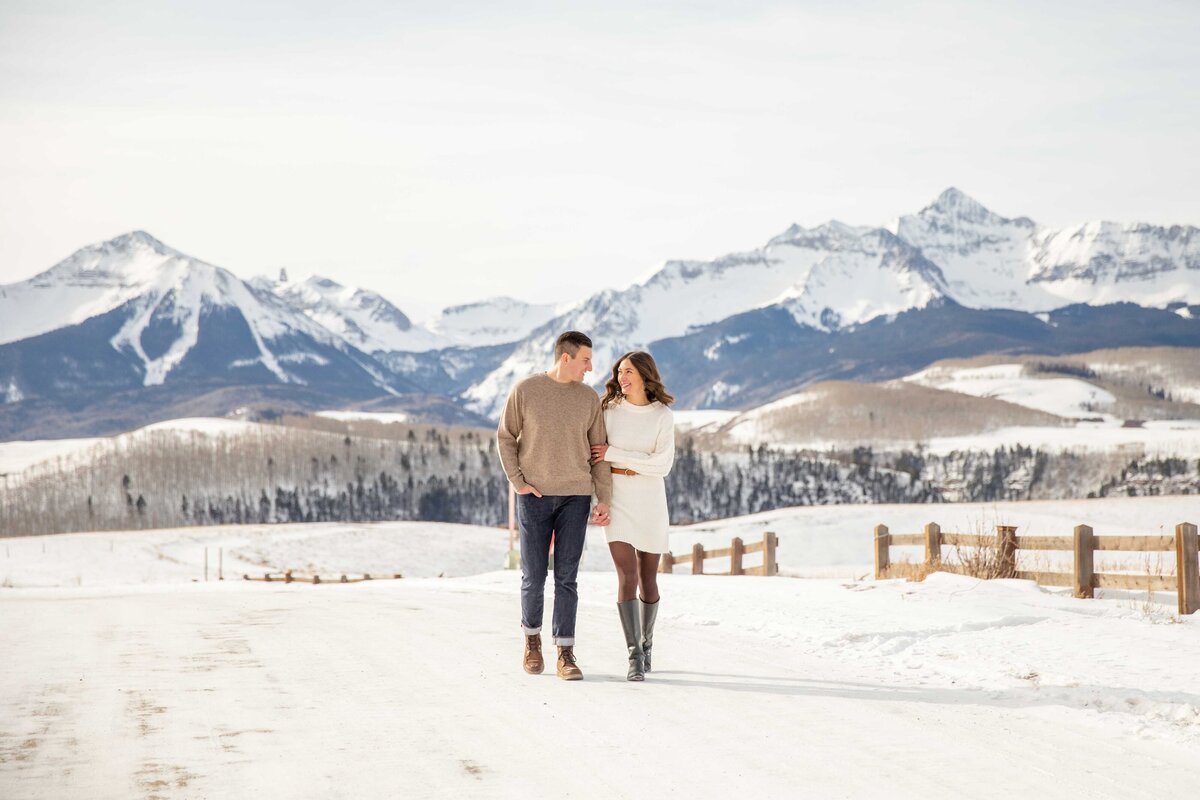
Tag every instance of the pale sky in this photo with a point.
(444, 153)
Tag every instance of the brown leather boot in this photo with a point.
(568, 670)
(534, 663)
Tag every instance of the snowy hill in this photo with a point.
(1077, 403)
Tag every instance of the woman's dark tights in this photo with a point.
(635, 568)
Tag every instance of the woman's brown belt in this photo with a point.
(619, 471)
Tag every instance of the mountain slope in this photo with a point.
(89, 282)
(363, 318)
(178, 320)
(498, 321)
(836, 276)
(1108, 262)
(816, 275)
(756, 357)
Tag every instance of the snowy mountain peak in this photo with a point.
(365, 319)
(130, 259)
(140, 238)
(831, 235)
(91, 281)
(956, 203)
(877, 274)
(984, 256)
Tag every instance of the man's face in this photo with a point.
(575, 367)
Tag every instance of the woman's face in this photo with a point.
(630, 379)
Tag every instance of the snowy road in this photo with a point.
(414, 689)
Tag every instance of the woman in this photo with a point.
(641, 448)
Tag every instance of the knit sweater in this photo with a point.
(545, 436)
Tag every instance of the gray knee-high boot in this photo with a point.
(632, 624)
(649, 614)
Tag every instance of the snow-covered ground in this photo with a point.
(695, 420)
(814, 542)
(1179, 438)
(1066, 397)
(135, 681)
(20, 455)
(367, 416)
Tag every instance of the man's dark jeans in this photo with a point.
(566, 516)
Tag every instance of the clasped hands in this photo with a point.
(600, 512)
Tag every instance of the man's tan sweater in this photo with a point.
(546, 435)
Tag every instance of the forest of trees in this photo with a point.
(284, 473)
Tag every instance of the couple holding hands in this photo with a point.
(560, 445)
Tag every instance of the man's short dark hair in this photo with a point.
(569, 343)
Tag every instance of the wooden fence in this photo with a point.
(734, 553)
(287, 576)
(1083, 579)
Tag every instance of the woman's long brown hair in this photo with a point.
(644, 364)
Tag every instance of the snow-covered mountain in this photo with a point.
(132, 311)
(825, 277)
(363, 318)
(985, 257)
(499, 320)
(87, 283)
(1109, 262)
(836, 276)
(991, 261)
(831, 301)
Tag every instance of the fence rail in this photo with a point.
(1083, 543)
(734, 553)
(288, 576)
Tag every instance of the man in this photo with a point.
(546, 431)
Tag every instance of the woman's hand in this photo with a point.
(598, 451)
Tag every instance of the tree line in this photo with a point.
(331, 472)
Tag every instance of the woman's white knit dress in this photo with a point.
(640, 438)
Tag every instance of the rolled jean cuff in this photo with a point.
(531, 631)
(564, 641)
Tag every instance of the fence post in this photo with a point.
(697, 559)
(882, 543)
(667, 564)
(1006, 541)
(735, 556)
(933, 543)
(770, 566)
(220, 563)
(1085, 559)
(1186, 568)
